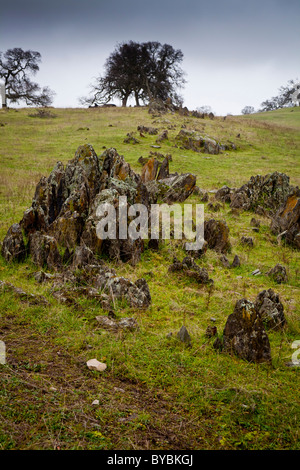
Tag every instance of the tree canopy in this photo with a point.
(146, 71)
(16, 68)
(285, 97)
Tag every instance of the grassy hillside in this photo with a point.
(156, 393)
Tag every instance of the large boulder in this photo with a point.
(172, 189)
(216, 234)
(13, 247)
(286, 220)
(262, 193)
(193, 140)
(244, 334)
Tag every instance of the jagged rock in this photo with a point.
(164, 170)
(278, 274)
(244, 334)
(205, 197)
(214, 207)
(13, 247)
(173, 189)
(184, 336)
(83, 256)
(148, 130)
(137, 294)
(158, 107)
(286, 221)
(270, 309)
(248, 241)
(254, 222)
(111, 324)
(191, 269)
(22, 295)
(130, 139)
(44, 251)
(262, 193)
(192, 140)
(162, 137)
(223, 194)
(41, 276)
(211, 331)
(225, 261)
(149, 171)
(216, 233)
(236, 262)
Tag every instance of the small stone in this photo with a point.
(247, 241)
(256, 272)
(184, 336)
(211, 331)
(96, 402)
(236, 262)
(94, 364)
(224, 260)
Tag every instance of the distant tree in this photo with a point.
(204, 109)
(16, 68)
(284, 99)
(145, 71)
(248, 110)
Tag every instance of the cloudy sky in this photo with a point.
(236, 52)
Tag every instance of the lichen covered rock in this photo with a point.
(216, 234)
(262, 193)
(286, 221)
(13, 247)
(270, 309)
(244, 334)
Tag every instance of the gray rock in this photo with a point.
(286, 221)
(184, 336)
(278, 274)
(270, 309)
(270, 190)
(244, 334)
(13, 247)
(216, 233)
(236, 263)
(248, 241)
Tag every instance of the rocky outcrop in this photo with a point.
(262, 193)
(286, 221)
(223, 194)
(270, 309)
(244, 334)
(61, 225)
(191, 269)
(193, 140)
(278, 274)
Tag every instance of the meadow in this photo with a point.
(156, 392)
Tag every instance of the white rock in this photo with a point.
(96, 402)
(94, 364)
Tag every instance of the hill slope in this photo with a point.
(156, 392)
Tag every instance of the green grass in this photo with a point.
(156, 393)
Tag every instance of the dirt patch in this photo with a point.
(48, 400)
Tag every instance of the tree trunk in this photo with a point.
(3, 95)
(136, 99)
(124, 101)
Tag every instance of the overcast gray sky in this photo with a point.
(236, 53)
